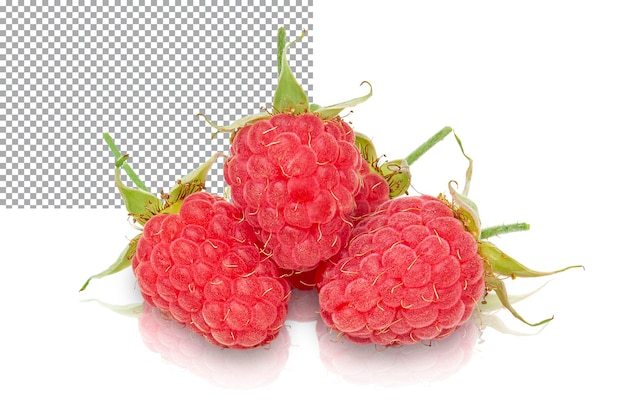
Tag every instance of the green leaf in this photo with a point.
(329, 112)
(502, 264)
(289, 96)
(122, 262)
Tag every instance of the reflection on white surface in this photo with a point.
(394, 366)
(397, 366)
(228, 368)
(356, 364)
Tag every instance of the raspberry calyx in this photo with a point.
(143, 205)
(289, 97)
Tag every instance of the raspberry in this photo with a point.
(294, 172)
(202, 267)
(411, 272)
(373, 192)
(295, 178)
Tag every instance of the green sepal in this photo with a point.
(189, 184)
(491, 301)
(329, 112)
(237, 124)
(140, 204)
(470, 167)
(497, 285)
(122, 262)
(466, 210)
(289, 96)
(367, 149)
(397, 173)
(502, 264)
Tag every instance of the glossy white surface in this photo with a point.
(536, 93)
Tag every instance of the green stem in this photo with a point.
(131, 174)
(425, 147)
(502, 229)
(281, 42)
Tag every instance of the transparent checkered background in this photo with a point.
(70, 73)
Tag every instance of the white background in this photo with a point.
(536, 92)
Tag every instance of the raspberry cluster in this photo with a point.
(312, 206)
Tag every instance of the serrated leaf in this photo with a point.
(122, 262)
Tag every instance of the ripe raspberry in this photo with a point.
(411, 272)
(373, 192)
(295, 178)
(294, 172)
(202, 267)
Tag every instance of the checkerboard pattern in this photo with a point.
(142, 73)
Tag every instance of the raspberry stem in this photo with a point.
(425, 147)
(289, 96)
(488, 232)
(118, 155)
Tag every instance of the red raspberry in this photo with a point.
(295, 177)
(202, 267)
(411, 272)
(374, 192)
